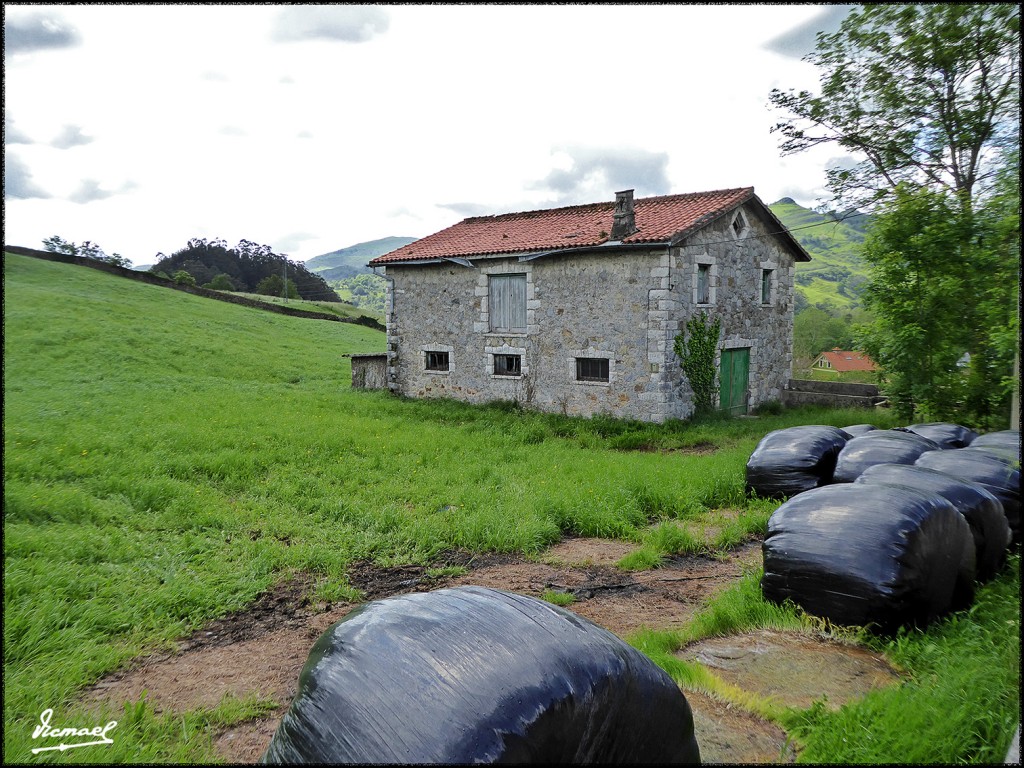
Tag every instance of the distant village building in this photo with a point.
(575, 310)
(844, 361)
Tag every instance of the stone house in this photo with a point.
(575, 310)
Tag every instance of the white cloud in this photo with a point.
(18, 182)
(312, 128)
(70, 136)
(345, 23)
(25, 34)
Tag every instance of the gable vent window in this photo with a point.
(738, 225)
(591, 369)
(437, 361)
(507, 303)
(508, 365)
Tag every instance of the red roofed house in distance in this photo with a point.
(843, 361)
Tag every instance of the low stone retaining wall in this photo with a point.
(834, 394)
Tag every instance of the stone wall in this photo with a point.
(624, 305)
(737, 255)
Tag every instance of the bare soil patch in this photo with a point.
(262, 650)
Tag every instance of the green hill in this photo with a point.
(351, 261)
(836, 273)
(346, 272)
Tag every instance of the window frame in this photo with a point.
(517, 367)
(739, 225)
(767, 280)
(507, 303)
(436, 368)
(703, 297)
(603, 375)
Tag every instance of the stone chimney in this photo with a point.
(624, 221)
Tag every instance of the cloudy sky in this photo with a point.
(312, 128)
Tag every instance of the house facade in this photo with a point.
(576, 310)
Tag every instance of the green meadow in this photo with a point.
(167, 458)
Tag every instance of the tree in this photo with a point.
(87, 250)
(927, 99)
(816, 331)
(247, 264)
(221, 283)
(922, 94)
(181, 277)
(274, 285)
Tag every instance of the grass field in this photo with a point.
(168, 457)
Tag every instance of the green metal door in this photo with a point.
(734, 380)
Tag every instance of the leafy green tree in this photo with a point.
(182, 277)
(247, 264)
(815, 331)
(221, 283)
(927, 99)
(274, 285)
(944, 284)
(922, 94)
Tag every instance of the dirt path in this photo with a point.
(263, 649)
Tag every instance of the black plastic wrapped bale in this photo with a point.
(475, 675)
(793, 460)
(859, 429)
(1006, 443)
(982, 510)
(944, 434)
(996, 474)
(882, 446)
(862, 554)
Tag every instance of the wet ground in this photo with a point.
(262, 649)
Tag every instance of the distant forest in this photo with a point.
(247, 268)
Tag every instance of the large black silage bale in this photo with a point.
(793, 460)
(945, 434)
(881, 446)
(1005, 442)
(863, 554)
(997, 474)
(982, 510)
(476, 675)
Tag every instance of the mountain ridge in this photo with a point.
(837, 272)
(351, 261)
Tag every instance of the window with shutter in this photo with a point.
(703, 283)
(507, 303)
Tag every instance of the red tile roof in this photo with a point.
(658, 220)
(842, 360)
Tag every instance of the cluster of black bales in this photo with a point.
(476, 675)
(885, 527)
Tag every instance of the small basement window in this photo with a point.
(591, 369)
(437, 361)
(508, 365)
